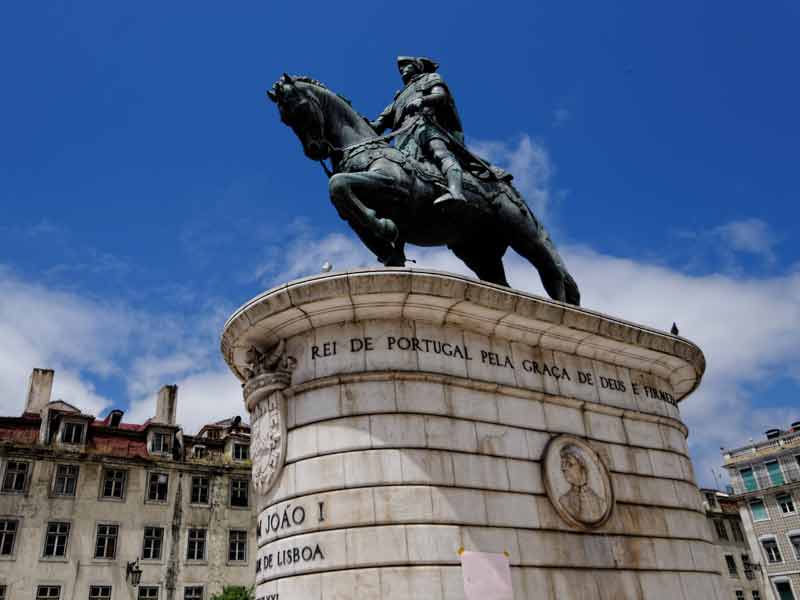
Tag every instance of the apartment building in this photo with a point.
(765, 476)
(743, 576)
(108, 510)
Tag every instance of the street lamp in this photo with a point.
(133, 572)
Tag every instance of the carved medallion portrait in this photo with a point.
(577, 482)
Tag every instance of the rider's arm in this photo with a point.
(437, 96)
(384, 120)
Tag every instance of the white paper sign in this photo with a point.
(486, 576)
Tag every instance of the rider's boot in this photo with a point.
(455, 193)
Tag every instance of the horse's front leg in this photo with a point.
(346, 190)
(351, 193)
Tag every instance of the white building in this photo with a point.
(86, 503)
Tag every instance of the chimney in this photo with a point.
(40, 385)
(166, 404)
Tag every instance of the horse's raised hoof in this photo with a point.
(396, 259)
(389, 230)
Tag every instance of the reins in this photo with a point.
(380, 139)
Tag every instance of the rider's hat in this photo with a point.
(425, 65)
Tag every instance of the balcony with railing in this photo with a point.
(765, 477)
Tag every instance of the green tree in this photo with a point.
(235, 592)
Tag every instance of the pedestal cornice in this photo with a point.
(445, 299)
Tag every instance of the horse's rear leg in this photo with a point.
(530, 240)
(486, 263)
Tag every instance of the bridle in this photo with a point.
(343, 152)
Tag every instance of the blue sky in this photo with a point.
(148, 188)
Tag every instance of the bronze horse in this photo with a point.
(387, 197)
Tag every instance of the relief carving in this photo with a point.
(578, 483)
(268, 373)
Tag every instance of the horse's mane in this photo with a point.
(319, 84)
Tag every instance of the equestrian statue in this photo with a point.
(419, 184)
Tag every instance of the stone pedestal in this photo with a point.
(401, 415)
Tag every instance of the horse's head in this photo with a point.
(301, 109)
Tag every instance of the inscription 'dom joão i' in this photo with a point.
(488, 357)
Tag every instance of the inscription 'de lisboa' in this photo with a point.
(285, 520)
(488, 357)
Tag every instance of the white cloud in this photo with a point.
(203, 397)
(752, 236)
(529, 162)
(87, 341)
(42, 327)
(305, 254)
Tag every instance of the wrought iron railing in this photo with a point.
(763, 480)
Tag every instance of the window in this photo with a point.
(72, 433)
(749, 480)
(756, 595)
(212, 434)
(237, 545)
(759, 510)
(736, 528)
(241, 452)
(148, 592)
(193, 592)
(8, 535)
(114, 483)
(15, 477)
(66, 480)
(200, 451)
(711, 498)
(739, 595)
(786, 503)
(239, 489)
(719, 525)
(747, 566)
(2, 592)
(196, 546)
(48, 592)
(775, 473)
(731, 564)
(794, 540)
(157, 487)
(162, 443)
(106, 545)
(153, 542)
(771, 550)
(200, 490)
(55, 540)
(784, 589)
(99, 592)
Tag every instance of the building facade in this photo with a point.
(742, 573)
(88, 506)
(765, 477)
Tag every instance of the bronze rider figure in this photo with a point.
(426, 107)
